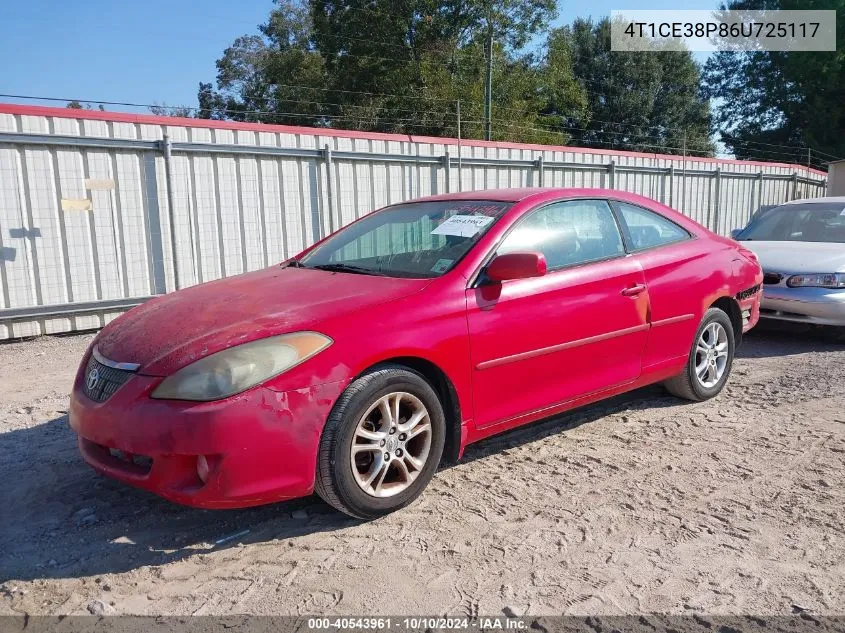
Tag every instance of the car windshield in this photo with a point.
(417, 239)
(806, 222)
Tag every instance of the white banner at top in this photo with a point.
(709, 31)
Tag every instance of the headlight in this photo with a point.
(238, 368)
(820, 280)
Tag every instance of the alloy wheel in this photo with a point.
(711, 355)
(391, 444)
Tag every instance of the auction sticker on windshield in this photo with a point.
(442, 265)
(463, 225)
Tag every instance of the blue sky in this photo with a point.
(152, 51)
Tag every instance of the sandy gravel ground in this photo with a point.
(640, 504)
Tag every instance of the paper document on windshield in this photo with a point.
(463, 225)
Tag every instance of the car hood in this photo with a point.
(799, 257)
(169, 332)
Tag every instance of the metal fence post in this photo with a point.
(152, 219)
(299, 173)
(671, 185)
(541, 177)
(327, 158)
(447, 163)
(167, 149)
(718, 196)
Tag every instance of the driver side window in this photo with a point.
(568, 233)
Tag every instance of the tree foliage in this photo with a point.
(642, 101)
(76, 105)
(175, 111)
(273, 76)
(402, 66)
(768, 100)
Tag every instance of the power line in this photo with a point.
(496, 108)
(469, 53)
(818, 151)
(267, 113)
(562, 130)
(317, 116)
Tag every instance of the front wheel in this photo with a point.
(833, 334)
(710, 359)
(381, 444)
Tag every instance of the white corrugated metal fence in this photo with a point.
(86, 199)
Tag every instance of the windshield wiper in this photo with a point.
(347, 268)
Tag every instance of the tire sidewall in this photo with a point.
(350, 413)
(724, 320)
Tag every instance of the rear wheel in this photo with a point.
(710, 359)
(834, 334)
(381, 444)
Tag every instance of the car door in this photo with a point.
(673, 264)
(579, 329)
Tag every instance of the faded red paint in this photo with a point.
(514, 352)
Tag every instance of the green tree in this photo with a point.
(769, 100)
(376, 56)
(417, 58)
(391, 65)
(511, 22)
(76, 105)
(175, 111)
(402, 66)
(273, 76)
(646, 101)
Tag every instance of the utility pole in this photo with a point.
(488, 84)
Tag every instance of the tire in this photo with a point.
(833, 334)
(689, 385)
(340, 478)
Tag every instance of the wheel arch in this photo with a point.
(445, 389)
(730, 306)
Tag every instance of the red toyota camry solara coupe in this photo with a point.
(354, 368)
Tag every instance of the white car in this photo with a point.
(801, 248)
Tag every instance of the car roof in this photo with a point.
(521, 193)
(831, 199)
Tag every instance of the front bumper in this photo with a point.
(815, 306)
(261, 446)
(750, 310)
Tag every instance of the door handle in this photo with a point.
(633, 291)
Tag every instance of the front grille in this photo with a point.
(101, 387)
(747, 293)
(772, 278)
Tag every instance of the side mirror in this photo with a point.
(517, 266)
(735, 233)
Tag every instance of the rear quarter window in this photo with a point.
(648, 229)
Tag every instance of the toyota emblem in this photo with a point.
(93, 378)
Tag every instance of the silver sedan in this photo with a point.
(801, 247)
